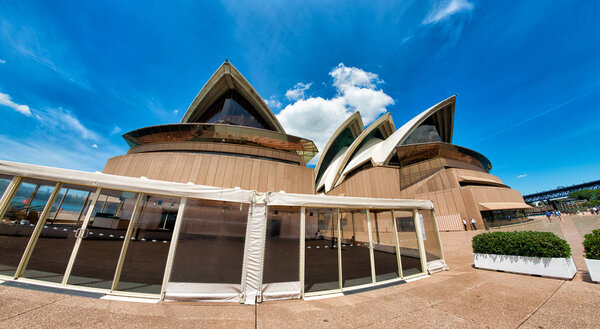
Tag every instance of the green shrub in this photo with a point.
(591, 244)
(522, 243)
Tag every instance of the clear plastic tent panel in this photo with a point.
(146, 258)
(408, 243)
(356, 259)
(321, 255)
(431, 239)
(384, 245)
(210, 246)
(55, 243)
(282, 245)
(103, 239)
(4, 182)
(21, 216)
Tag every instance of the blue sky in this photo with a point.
(75, 75)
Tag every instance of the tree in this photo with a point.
(585, 194)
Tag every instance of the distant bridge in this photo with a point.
(561, 192)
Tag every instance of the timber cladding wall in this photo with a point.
(442, 187)
(215, 170)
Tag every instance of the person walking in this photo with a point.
(559, 215)
(548, 215)
(465, 224)
(473, 223)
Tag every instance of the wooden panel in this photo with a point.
(229, 172)
(238, 172)
(452, 208)
(248, 174)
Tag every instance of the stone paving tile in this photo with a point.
(428, 317)
(15, 301)
(575, 305)
(493, 306)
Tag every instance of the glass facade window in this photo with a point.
(102, 241)
(356, 256)
(20, 218)
(494, 218)
(282, 245)
(384, 245)
(409, 245)
(210, 248)
(426, 132)
(431, 240)
(233, 108)
(146, 256)
(321, 250)
(49, 259)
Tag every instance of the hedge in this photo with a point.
(591, 244)
(521, 243)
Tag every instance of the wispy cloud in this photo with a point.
(522, 176)
(64, 120)
(95, 146)
(273, 103)
(2, 61)
(297, 92)
(445, 9)
(6, 100)
(316, 118)
(44, 47)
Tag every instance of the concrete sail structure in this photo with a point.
(228, 85)
(419, 161)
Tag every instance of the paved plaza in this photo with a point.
(461, 297)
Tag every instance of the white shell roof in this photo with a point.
(380, 151)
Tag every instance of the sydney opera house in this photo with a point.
(223, 207)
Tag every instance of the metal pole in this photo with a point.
(173, 247)
(371, 252)
(302, 246)
(134, 217)
(339, 246)
(419, 233)
(9, 194)
(79, 237)
(397, 241)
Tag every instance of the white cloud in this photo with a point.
(317, 118)
(95, 146)
(273, 102)
(6, 101)
(522, 176)
(116, 130)
(175, 112)
(297, 92)
(446, 8)
(2, 61)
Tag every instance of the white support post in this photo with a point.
(302, 248)
(37, 230)
(420, 241)
(371, 252)
(173, 247)
(9, 194)
(339, 246)
(137, 209)
(397, 241)
(79, 238)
